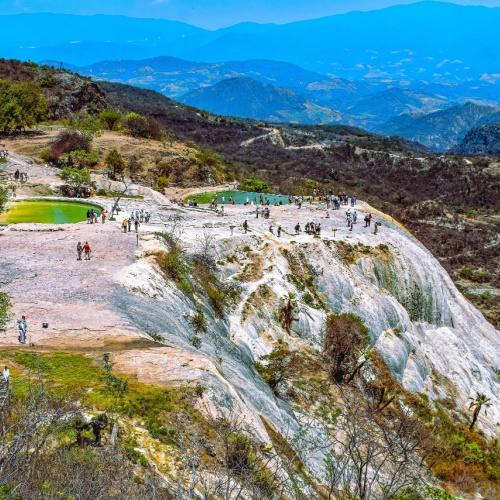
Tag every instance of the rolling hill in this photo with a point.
(249, 98)
(373, 110)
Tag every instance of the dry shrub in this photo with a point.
(68, 141)
(346, 336)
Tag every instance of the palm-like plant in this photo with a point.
(477, 404)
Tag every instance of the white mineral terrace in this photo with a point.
(432, 338)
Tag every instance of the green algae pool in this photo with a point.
(46, 212)
(239, 197)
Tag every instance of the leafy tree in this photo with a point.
(115, 163)
(254, 184)
(136, 124)
(346, 337)
(86, 125)
(110, 119)
(75, 177)
(22, 105)
(278, 366)
(477, 404)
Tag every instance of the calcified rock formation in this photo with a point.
(432, 339)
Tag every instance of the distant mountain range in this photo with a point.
(432, 41)
(372, 111)
(250, 98)
(285, 92)
(444, 129)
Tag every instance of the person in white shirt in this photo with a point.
(6, 375)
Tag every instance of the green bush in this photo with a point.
(115, 163)
(254, 184)
(110, 119)
(198, 321)
(4, 308)
(129, 446)
(161, 183)
(86, 125)
(84, 159)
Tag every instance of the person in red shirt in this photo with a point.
(86, 251)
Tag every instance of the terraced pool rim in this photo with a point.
(54, 216)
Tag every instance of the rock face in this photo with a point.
(431, 338)
(66, 93)
(482, 140)
(423, 327)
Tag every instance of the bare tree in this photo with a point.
(119, 196)
(372, 456)
(236, 464)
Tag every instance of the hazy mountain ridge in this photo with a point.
(249, 98)
(405, 41)
(441, 130)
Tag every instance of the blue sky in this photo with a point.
(211, 13)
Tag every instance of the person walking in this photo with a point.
(87, 250)
(136, 225)
(124, 225)
(129, 223)
(245, 226)
(79, 250)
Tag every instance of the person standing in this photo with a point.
(129, 222)
(124, 225)
(6, 375)
(79, 250)
(245, 226)
(87, 250)
(136, 225)
(22, 326)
